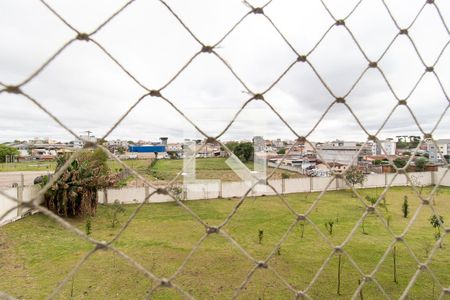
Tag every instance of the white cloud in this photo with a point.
(86, 90)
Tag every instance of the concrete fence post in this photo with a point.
(105, 196)
(20, 195)
(146, 193)
(310, 184)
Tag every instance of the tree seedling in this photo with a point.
(329, 226)
(437, 221)
(88, 225)
(405, 207)
(260, 236)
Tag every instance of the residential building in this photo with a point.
(342, 152)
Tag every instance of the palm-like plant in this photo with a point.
(75, 191)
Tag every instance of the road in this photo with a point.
(7, 179)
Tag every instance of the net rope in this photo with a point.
(301, 58)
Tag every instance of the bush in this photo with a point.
(75, 192)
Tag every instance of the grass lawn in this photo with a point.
(36, 253)
(164, 170)
(28, 166)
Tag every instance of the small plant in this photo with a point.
(88, 225)
(394, 256)
(260, 235)
(302, 229)
(285, 175)
(329, 226)
(388, 219)
(371, 199)
(339, 275)
(116, 208)
(437, 221)
(405, 207)
(177, 192)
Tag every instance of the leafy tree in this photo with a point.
(7, 151)
(75, 191)
(281, 151)
(231, 146)
(244, 151)
(121, 150)
(377, 162)
(420, 163)
(355, 176)
(399, 162)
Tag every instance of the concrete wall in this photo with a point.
(212, 190)
(23, 193)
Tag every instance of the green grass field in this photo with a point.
(36, 253)
(164, 170)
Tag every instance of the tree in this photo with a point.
(420, 163)
(437, 222)
(399, 163)
(7, 151)
(244, 151)
(355, 176)
(231, 146)
(281, 151)
(75, 191)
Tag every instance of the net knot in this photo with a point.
(258, 10)
(211, 229)
(401, 102)
(13, 89)
(373, 64)
(422, 267)
(165, 282)
(301, 217)
(370, 208)
(399, 238)
(372, 138)
(101, 246)
(338, 249)
(446, 291)
(427, 136)
(262, 264)
(430, 1)
(404, 31)
(83, 36)
(429, 69)
(300, 294)
(340, 100)
(210, 140)
(301, 139)
(207, 49)
(301, 58)
(155, 93)
(340, 22)
(425, 201)
(161, 191)
(258, 97)
(368, 278)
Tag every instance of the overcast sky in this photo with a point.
(86, 90)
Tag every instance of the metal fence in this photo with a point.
(251, 11)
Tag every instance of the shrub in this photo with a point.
(75, 192)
